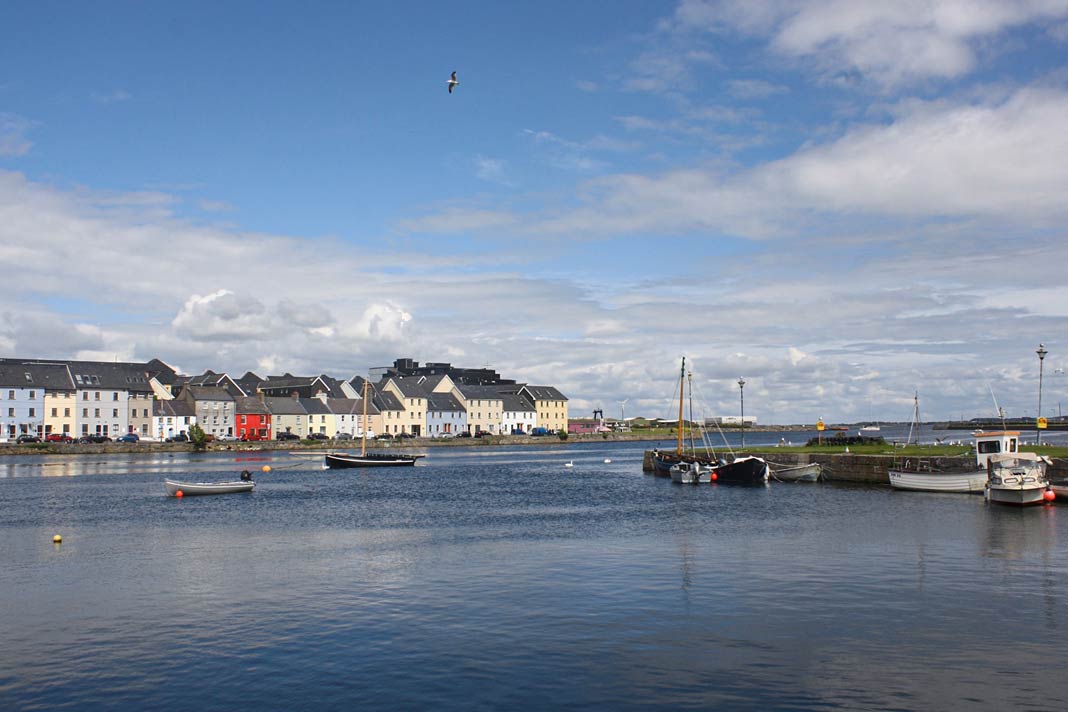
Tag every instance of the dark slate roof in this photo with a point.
(284, 406)
(250, 405)
(249, 383)
(315, 406)
(543, 393)
(443, 402)
(410, 387)
(479, 392)
(350, 406)
(173, 408)
(386, 401)
(207, 393)
(132, 377)
(50, 377)
(161, 371)
(516, 404)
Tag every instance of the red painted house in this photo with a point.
(253, 420)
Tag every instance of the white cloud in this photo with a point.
(892, 43)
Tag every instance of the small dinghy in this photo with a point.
(183, 489)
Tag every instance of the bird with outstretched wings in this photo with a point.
(453, 81)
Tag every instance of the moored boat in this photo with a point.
(342, 460)
(812, 472)
(1018, 479)
(199, 488)
(926, 474)
(346, 460)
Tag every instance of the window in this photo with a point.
(11, 395)
(33, 412)
(85, 412)
(115, 395)
(11, 412)
(55, 412)
(96, 395)
(85, 395)
(66, 412)
(33, 395)
(96, 412)
(114, 412)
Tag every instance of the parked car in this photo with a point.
(318, 436)
(482, 434)
(58, 438)
(538, 432)
(27, 438)
(286, 436)
(464, 434)
(94, 438)
(343, 436)
(128, 438)
(384, 436)
(405, 436)
(179, 438)
(226, 437)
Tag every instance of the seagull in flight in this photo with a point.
(453, 81)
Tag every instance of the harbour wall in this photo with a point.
(866, 469)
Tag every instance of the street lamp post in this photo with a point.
(741, 395)
(1041, 359)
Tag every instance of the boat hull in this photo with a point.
(811, 472)
(747, 470)
(188, 489)
(1016, 496)
(966, 482)
(342, 461)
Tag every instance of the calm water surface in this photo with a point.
(493, 578)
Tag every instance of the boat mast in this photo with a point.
(915, 415)
(693, 446)
(682, 386)
(363, 442)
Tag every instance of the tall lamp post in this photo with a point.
(741, 395)
(1041, 358)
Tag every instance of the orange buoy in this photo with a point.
(715, 476)
(266, 468)
(179, 493)
(1049, 495)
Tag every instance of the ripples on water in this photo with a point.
(496, 578)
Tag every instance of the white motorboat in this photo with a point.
(691, 473)
(926, 474)
(1018, 479)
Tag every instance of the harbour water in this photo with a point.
(496, 578)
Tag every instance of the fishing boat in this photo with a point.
(1018, 479)
(931, 475)
(747, 470)
(186, 489)
(812, 472)
(870, 431)
(346, 460)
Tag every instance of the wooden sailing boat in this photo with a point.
(342, 460)
(749, 470)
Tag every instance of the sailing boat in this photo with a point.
(342, 460)
(748, 470)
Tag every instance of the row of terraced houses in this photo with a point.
(79, 398)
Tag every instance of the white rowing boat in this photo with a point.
(195, 488)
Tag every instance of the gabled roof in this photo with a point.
(470, 392)
(411, 387)
(513, 403)
(120, 376)
(542, 393)
(250, 405)
(284, 406)
(443, 403)
(206, 394)
(173, 408)
(350, 406)
(386, 401)
(315, 406)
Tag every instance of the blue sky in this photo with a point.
(845, 202)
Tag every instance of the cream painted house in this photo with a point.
(412, 395)
(549, 404)
(484, 406)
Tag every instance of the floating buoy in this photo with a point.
(714, 476)
(179, 493)
(266, 468)
(1049, 495)
(57, 539)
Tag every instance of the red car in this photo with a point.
(58, 438)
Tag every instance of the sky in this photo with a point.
(846, 203)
